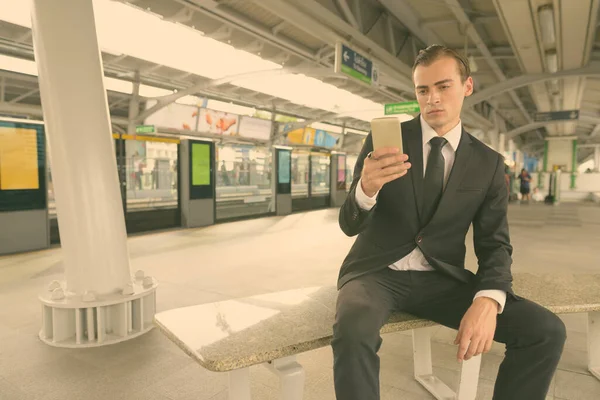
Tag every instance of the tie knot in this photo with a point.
(437, 142)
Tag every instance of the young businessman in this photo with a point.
(411, 220)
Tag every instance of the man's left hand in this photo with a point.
(477, 328)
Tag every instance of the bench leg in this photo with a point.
(239, 384)
(594, 343)
(291, 377)
(469, 376)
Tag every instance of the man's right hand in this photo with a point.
(383, 166)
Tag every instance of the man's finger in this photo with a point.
(388, 160)
(488, 345)
(480, 348)
(473, 347)
(463, 347)
(458, 337)
(384, 151)
(396, 169)
(393, 177)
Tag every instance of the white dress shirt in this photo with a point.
(415, 261)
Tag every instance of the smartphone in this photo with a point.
(386, 132)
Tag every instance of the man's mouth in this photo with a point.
(434, 111)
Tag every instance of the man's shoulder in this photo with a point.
(483, 149)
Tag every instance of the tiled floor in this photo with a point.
(206, 265)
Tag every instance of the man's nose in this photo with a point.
(434, 97)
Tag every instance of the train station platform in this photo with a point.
(240, 259)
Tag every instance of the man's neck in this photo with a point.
(446, 128)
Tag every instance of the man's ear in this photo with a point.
(469, 86)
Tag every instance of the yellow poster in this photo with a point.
(18, 159)
(296, 136)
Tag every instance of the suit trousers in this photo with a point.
(534, 336)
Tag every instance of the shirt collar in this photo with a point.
(453, 135)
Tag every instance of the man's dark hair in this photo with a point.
(435, 52)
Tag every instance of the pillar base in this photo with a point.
(91, 320)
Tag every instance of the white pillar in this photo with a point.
(88, 199)
(84, 167)
(502, 143)
(597, 158)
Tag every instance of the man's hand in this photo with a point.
(383, 166)
(477, 328)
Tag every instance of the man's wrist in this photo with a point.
(488, 300)
(367, 191)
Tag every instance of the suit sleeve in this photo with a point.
(491, 237)
(353, 219)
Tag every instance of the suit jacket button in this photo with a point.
(419, 239)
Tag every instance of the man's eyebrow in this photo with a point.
(435, 84)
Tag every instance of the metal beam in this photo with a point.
(239, 21)
(445, 21)
(410, 19)
(343, 5)
(475, 37)
(164, 101)
(524, 80)
(536, 125)
(356, 5)
(277, 28)
(389, 25)
(329, 29)
(31, 110)
(24, 95)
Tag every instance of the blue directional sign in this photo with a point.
(354, 64)
(567, 115)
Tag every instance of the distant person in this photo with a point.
(225, 175)
(411, 216)
(525, 189)
(537, 196)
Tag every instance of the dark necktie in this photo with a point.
(433, 183)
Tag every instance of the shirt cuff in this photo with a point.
(498, 295)
(365, 202)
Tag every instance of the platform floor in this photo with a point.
(259, 256)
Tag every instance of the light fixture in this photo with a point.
(546, 16)
(552, 61)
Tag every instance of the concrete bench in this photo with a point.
(271, 329)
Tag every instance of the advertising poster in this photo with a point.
(18, 159)
(341, 168)
(309, 136)
(218, 122)
(175, 116)
(284, 166)
(255, 128)
(200, 164)
(296, 136)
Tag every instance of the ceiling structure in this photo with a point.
(503, 39)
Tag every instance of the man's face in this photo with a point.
(440, 93)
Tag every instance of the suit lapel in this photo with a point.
(461, 163)
(413, 140)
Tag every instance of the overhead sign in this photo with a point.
(145, 129)
(406, 107)
(567, 115)
(354, 64)
(255, 128)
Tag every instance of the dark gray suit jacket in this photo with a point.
(475, 193)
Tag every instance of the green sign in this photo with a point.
(354, 64)
(200, 164)
(407, 107)
(145, 129)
